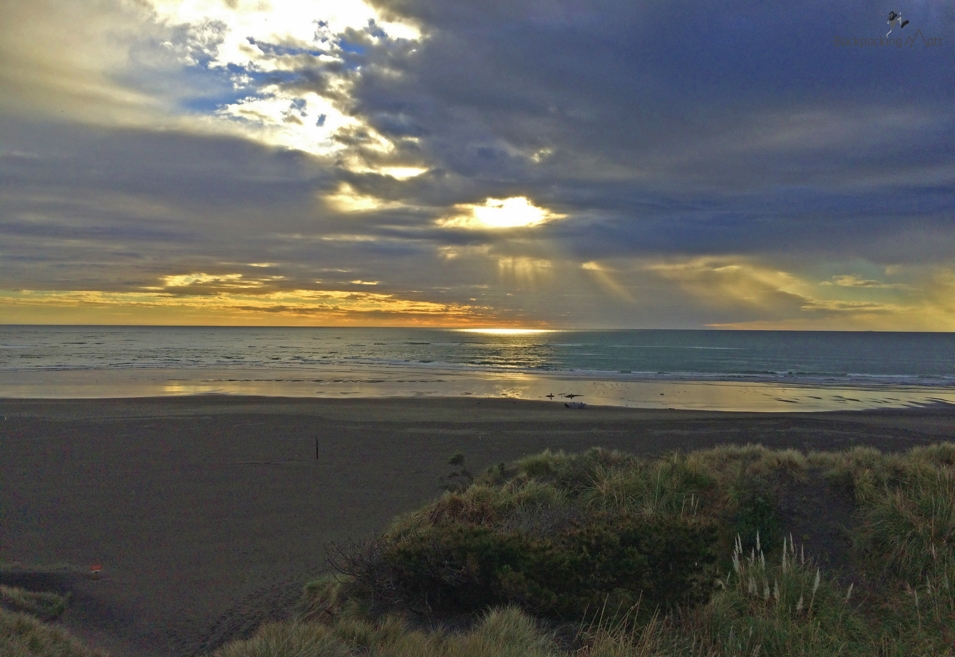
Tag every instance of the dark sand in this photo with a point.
(208, 513)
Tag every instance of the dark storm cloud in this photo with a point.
(118, 209)
(188, 168)
(97, 203)
(680, 127)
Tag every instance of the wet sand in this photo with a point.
(356, 381)
(207, 513)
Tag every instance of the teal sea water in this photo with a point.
(740, 370)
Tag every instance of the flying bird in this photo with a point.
(550, 396)
(895, 17)
(571, 396)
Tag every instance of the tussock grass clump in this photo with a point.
(43, 605)
(23, 635)
(906, 534)
(667, 487)
(571, 472)
(783, 608)
(910, 529)
(500, 633)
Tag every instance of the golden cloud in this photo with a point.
(332, 307)
(787, 301)
(347, 199)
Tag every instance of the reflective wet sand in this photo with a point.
(413, 382)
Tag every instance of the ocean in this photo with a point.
(716, 370)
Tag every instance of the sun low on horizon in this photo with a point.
(504, 168)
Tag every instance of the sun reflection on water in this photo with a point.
(506, 331)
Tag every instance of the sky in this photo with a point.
(547, 164)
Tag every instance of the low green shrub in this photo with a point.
(616, 559)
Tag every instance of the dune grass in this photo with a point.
(506, 632)
(44, 605)
(26, 616)
(766, 596)
(602, 554)
(23, 635)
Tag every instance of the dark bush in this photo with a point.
(457, 480)
(607, 559)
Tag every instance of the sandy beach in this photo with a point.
(207, 513)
